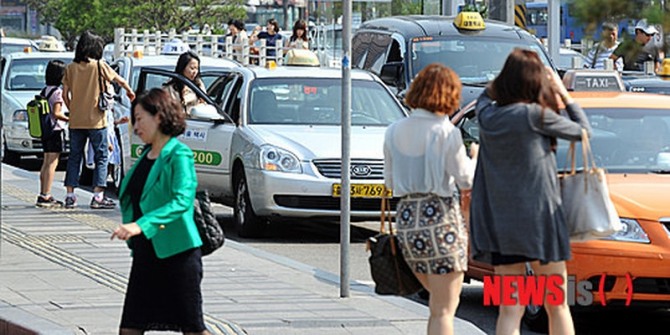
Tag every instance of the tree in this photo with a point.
(593, 12)
(72, 17)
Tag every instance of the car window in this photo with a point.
(475, 60)
(28, 74)
(359, 49)
(377, 51)
(318, 101)
(626, 140)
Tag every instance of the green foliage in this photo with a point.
(72, 17)
(482, 8)
(405, 7)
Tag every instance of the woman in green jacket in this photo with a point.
(156, 199)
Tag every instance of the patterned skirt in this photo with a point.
(432, 233)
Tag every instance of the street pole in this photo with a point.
(553, 29)
(345, 194)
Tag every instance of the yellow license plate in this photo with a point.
(363, 190)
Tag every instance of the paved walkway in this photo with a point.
(61, 274)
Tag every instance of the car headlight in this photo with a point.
(631, 232)
(276, 159)
(20, 115)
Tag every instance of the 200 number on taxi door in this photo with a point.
(199, 157)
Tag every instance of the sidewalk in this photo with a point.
(61, 274)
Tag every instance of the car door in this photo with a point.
(208, 135)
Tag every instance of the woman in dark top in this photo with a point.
(156, 199)
(516, 214)
(270, 36)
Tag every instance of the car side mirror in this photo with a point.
(205, 112)
(392, 73)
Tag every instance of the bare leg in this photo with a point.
(560, 320)
(509, 317)
(445, 292)
(48, 171)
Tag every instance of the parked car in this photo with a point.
(631, 141)
(23, 78)
(267, 141)
(129, 68)
(566, 59)
(396, 48)
(10, 45)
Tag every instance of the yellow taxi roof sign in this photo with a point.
(593, 80)
(469, 21)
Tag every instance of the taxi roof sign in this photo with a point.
(469, 21)
(665, 68)
(593, 80)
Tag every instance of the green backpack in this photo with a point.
(40, 123)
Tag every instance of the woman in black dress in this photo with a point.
(156, 199)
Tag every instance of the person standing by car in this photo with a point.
(636, 52)
(271, 37)
(603, 49)
(424, 163)
(188, 65)
(515, 214)
(81, 91)
(156, 200)
(52, 145)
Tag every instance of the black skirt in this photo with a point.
(163, 294)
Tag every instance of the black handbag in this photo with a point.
(105, 99)
(390, 272)
(210, 230)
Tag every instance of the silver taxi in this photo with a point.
(128, 67)
(267, 142)
(22, 78)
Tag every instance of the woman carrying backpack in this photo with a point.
(52, 144)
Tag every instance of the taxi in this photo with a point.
(396, 48)
(653, 83)
(22, 79)
(631, 141)
(267, 141)
(129, 68)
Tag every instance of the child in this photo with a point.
(52, 145)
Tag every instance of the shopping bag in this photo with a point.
(390, 272)
(589, 211)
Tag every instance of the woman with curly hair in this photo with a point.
(425, 165)
(156, 200)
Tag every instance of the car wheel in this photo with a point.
(11, 157)
(246, 221)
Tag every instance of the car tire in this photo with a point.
(248, 224)
(10, 157)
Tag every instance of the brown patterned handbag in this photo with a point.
(390, 272)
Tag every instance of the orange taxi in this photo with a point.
(631, 140)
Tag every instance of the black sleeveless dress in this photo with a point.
(162, 294)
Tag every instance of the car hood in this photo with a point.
(310, 142)
(643, 196)
(19, 98)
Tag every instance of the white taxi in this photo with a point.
(267, 142)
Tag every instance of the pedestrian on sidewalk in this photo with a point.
(156, 199)
(81, 90)
(515, 215)
(52, 145)
(425, 163)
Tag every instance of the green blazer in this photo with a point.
(167, 200)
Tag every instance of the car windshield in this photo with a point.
(626, 140)
(310, 101)
(28, 74)
(476, 60)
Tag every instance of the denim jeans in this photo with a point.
(98, 139)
